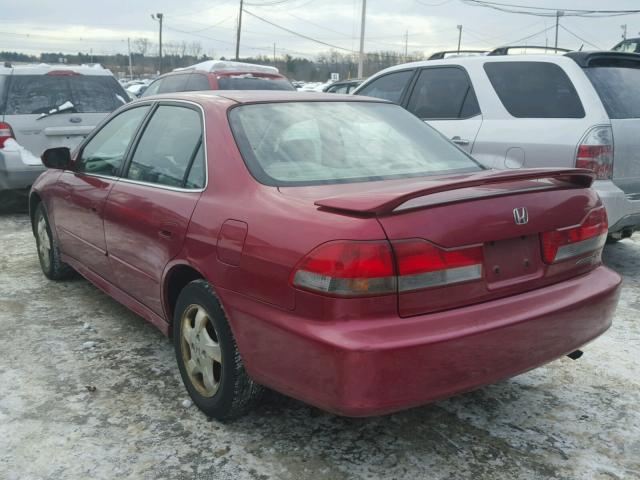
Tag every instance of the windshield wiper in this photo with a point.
(60, 109)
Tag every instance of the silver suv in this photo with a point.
(580, 109)
(44, 106)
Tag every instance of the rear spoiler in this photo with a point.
(386, 199)
(604, 59)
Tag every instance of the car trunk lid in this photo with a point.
(469, 238)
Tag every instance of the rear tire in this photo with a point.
(208, 358)
(48, 251)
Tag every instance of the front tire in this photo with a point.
(48, 251)
(208, 357)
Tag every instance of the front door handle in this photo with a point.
(459, 141)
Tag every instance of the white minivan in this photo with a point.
(580, 109)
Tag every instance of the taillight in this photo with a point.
(355, 269)
(423, 265)
(6, 132)
(347, 269)
(595, 152)
(589, 236)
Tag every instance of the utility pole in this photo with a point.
(624, 31)
(406, 46)
(239, 30)
(130, 67)
(362, 25)
(559, 13)
(459, 37)
(159, 17)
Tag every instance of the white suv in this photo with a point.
(44, 106)
(581, 109)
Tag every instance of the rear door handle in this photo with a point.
(459, 141)
(164, 233)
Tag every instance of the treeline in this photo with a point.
(144, 61)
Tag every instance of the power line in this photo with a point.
(546, 11)
(296, 33)
(580, 38)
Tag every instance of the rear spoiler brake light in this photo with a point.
(386, 200)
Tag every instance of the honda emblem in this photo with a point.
(521, 216)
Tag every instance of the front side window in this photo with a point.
(173, 83)
(630, 46)
(105, 152)
(168, 148)
(534, 89)
(312, 143)
(441, 93)
(388, 87)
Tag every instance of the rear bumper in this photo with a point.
(622, 211)
(14, 174)
(361, 368)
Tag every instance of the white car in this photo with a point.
(44, 106)
(580, 109)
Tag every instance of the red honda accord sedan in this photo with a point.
(333, 248)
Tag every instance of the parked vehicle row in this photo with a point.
(334, 248)
(580, 109)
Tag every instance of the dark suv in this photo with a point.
(219, 75)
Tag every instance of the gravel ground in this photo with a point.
(90, 390)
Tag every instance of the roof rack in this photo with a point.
(229, 66)
(456, 53)
(546, 48)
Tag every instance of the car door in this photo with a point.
(444, 97)
(148, 210)
(84, 189)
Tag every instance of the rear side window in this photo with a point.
(618, 88)
(168, 148)
(250, 82)
(389, 87)
(35, 94)
(153, 88)
(443, 93)
(197, 82)
(534, 89)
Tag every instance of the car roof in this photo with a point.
(260, 96)
(44, 68)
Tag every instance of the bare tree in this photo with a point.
(195, 48)
(142, 45)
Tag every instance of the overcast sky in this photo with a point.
(69, 26)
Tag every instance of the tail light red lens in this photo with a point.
(348, 268)
(353, 269)
(6, 132)
(595, 152)
(423, 265)
(589, 236)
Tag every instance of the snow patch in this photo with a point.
(27, 157)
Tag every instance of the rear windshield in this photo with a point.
(312, 143)
(249, 82)
(534, 89)
(618, 88)
(36, 94)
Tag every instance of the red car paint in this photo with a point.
(352, 356)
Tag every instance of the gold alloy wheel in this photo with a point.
(201, 353)
(44, 242)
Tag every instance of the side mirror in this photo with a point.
(58, 158)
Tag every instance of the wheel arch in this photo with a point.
(176, 278)
(34, 200)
